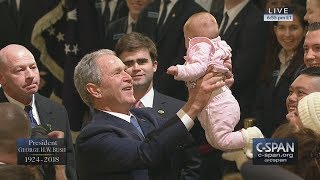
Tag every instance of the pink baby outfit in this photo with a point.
(222, 112)
(201, 53)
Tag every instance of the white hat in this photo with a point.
(309, 111)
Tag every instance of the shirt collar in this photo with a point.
(172, 2)
(11, 100)
(130, 20)
(233, 12)
(120, 115)
(170, 5)
(283, 58)
(147, 99)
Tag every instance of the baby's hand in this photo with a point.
(173, 70)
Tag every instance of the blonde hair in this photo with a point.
(202, 24)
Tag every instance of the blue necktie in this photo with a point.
(134, 122)
(33, 121)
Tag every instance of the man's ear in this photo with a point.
(155, 66)
(94, 90)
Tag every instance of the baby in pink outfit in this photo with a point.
(205, 48)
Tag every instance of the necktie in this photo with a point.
(106, 11)
(33, 121)
(224, 25)
(138, 104)
(134, 122)
(133, 25)
(164, 12)
(14, 6)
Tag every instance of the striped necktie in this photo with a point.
(33, 121)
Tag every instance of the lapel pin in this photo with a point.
(236, 23)
(160, 111)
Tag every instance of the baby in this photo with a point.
(222, 113)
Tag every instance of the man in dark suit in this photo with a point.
(18, 20)
(19, 78)
(123, 144)
(139, 53)
(107, 12)
(125, 24)
(169, 38)
(244, 30)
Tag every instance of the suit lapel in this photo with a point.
(146, 119)
(3, 98)
(116, 11)
(218, 14)
(171, 19)
(233, 26)
(236, 23)
(159, 105)
(14, 13)
(145, 126)
(125, 25)
(117, 122)
(44, 112)
(152, 16)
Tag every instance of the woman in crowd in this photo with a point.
(282, 61)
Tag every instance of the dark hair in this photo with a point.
(310, 71)
(19, 172)
(136, 41)
(308, 165)
(300, 12)
(314, 26)
(274, 48)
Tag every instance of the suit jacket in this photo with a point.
(186, 162)
(115, 31)
(270, 109)
(166, 106)
(17, 26)
(121, 10)
(169, 39)
(111, 148)
(55, 115)
(246, 36)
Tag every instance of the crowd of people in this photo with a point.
(168, 85)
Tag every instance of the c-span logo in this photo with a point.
(273, 151)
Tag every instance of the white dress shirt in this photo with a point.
(169, 8)
(32, 104)
(285, 62)
(112, 6)
(130, 21)
(233, 12)
(147, 99)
